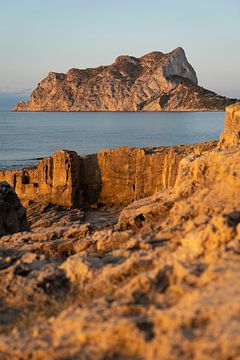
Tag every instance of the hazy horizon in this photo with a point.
(55, 36)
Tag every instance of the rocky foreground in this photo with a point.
(153, 82)
(158, 279)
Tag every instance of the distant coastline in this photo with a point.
(9, 99)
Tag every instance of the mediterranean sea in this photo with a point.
(27, 137)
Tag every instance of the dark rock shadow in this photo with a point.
(91, 179)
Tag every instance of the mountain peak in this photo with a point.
(153, 82)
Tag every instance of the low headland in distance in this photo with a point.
(130, 253)
(153, 82)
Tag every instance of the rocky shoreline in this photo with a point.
(104, 277)
(111, 176)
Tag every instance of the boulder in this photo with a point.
(12, 214)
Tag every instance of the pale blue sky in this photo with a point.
(38, 36)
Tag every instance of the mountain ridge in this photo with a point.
(153, 82)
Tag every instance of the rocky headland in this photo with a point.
(153, 82)
(133, 261)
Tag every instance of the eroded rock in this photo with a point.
(231, 135)
(112, 176)
(163, 283)
(12, 214)
(53, 180)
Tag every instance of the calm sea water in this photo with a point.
(26, 137)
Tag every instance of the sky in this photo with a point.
(39, 36)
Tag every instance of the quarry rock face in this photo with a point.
(12, 214)
(153, 82)
(158, 282)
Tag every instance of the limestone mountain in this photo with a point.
(153, 82)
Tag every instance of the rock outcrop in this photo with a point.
(154, 82)
(53, 180)
(12, 214)
(117, 176)
(161, 282)
(231, 135)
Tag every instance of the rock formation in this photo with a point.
(54, 180)
(112, 176)
(158, 282)
(12, 214)
(154, 82)
(231, 134)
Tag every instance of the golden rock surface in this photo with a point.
(112, 176)
(160, 280)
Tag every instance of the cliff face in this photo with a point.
(154, 82)
(53, 180)
(117, 176)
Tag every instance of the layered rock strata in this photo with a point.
(117, 176)
(55, 180)
(154, 82)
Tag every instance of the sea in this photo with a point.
(25, 138)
